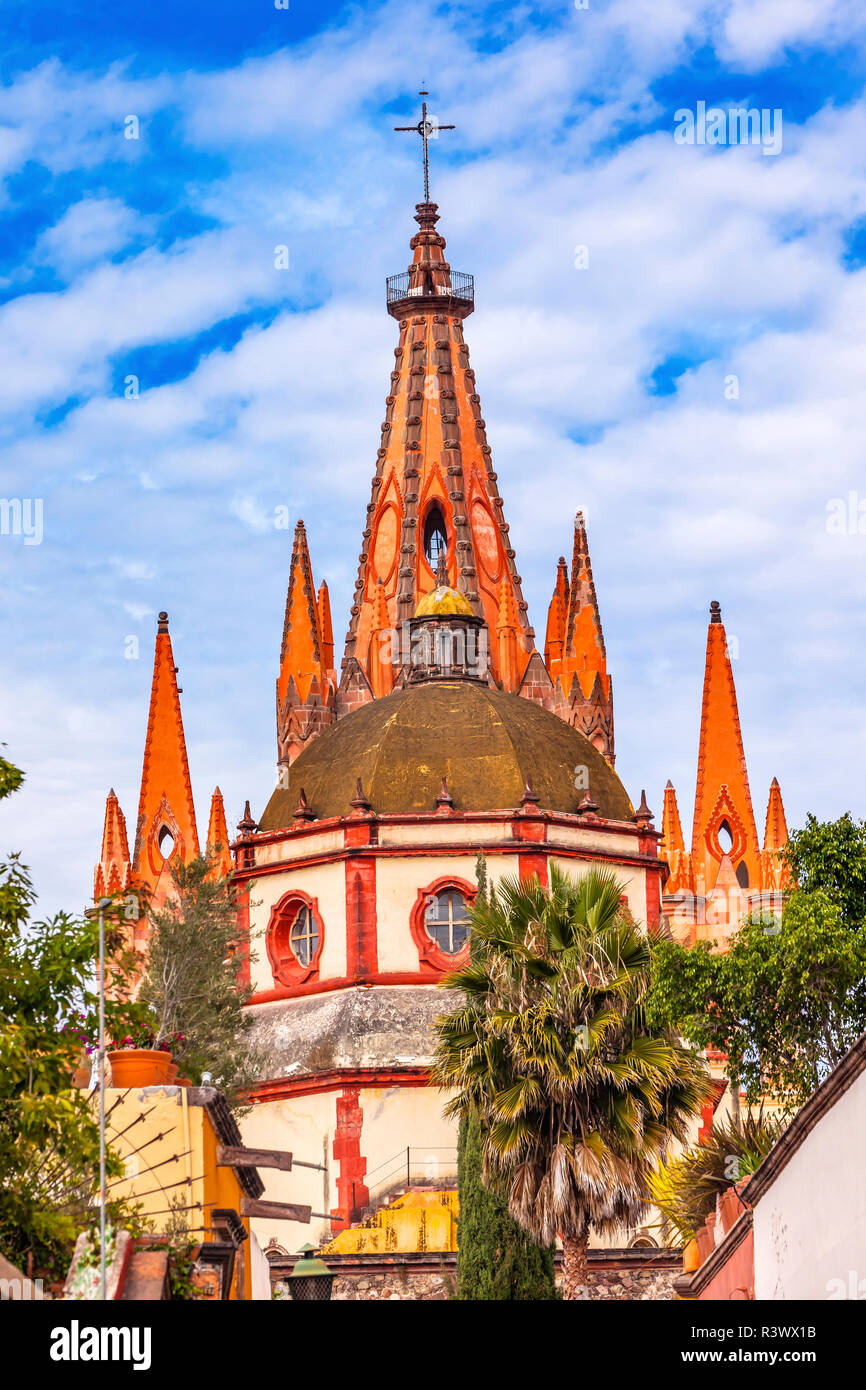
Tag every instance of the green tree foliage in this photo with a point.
(49, 1138)
(784, 1003)
(496, 1259)
(831, 856)
(577, 1098)
(685, 1189)
(192, 980)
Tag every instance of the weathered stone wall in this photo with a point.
(632, 1284)
(410, 1286)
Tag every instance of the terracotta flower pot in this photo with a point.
(140, 1066)
(691, 1257)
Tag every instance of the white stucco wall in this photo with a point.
(304, 1126)
(632, 878)
(810, 1226)
(326, 883)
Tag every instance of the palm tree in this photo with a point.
(578, 1100)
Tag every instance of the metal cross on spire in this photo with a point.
(426, 128)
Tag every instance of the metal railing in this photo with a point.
(462, 287)
(412, 1168)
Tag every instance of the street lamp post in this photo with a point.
(100, 912)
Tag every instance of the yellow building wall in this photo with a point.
(169, 1151)
(304, 1127)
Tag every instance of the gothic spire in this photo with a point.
(218, 837)
(434, 493)
(724, 821)
(305, 684)
(114, 870)
(166, 813)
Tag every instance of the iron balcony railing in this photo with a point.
(411, 1168)
(462, 287)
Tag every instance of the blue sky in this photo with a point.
(603, 387)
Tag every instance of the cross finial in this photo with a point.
(428, 128)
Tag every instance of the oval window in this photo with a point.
(446, 921)
(304, 936)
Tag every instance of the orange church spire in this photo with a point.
(776, 827)
(300, 657)
(218, 837)
(166, 814)
(114, 871)
(305, 685)
(724, 821)
(434, 489)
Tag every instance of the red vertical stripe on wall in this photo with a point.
(532, 864)
(243, 911)
(362, 955)
(352, 1192)
(653, 897)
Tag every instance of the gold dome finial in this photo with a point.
(443, 599)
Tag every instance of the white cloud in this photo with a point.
(87, 232)
(720, 254)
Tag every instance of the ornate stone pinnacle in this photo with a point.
(444, 801)
(303, 810)
(530, 796)
(359, 801)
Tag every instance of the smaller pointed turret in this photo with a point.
(381, 667)
(305, 685)
(672, 846)
(508, 631)
(557, 617)
(326, 627)
(113, 873)
(775, 874)
(776, 826)
(585, 690)
(218, 837)
(672, 830)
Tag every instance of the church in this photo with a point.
(445, 731)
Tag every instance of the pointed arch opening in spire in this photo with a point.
(435, 536)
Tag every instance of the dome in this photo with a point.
(442, 599)
(484, 742)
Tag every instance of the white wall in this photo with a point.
(810, 1227)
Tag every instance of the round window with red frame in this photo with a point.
(294, 939)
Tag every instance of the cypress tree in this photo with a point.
(496, 1260)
